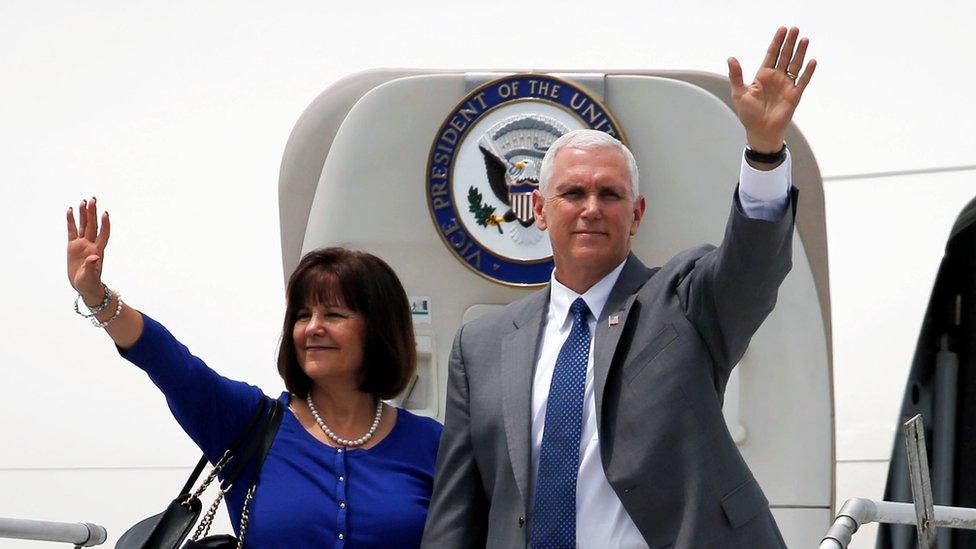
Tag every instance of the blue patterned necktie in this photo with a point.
(554, 525)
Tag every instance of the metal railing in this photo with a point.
(922, 513)
(857, 512)
(81, 534)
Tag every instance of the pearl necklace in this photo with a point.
(336, 438)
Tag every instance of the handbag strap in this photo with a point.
(255, 417)
(260, 444)
(256, 444)
(262, 440)
(193, 476)
(277, 413)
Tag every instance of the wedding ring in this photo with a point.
(790, 75)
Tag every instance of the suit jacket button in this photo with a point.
(521, 522)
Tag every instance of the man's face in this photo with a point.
(589, 210)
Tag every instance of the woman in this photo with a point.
(344, 467)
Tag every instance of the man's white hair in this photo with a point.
(587, 139)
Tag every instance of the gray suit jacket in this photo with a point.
(659, 380)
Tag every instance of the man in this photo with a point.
(589, 414)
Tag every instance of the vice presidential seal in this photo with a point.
(485, 163)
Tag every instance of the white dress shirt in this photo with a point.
(601, 521)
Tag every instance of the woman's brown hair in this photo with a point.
(365, 284)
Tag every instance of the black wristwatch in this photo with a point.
(767, 158)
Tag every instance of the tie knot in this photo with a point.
(579, 308)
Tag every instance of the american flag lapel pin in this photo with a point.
(613, 320)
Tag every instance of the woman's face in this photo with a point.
(329, 342)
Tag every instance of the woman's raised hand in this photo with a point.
(86, 251)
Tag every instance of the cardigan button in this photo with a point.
(521, 522)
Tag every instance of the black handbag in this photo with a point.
(222, 541)
(168, 529)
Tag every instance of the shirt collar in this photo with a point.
(561, 297)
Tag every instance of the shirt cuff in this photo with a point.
(765, 194)
(767, 186)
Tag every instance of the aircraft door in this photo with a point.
(942, 387)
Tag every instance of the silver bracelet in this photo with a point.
(109, 320)
(97, 308)
(103, 305)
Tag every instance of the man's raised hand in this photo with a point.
(766, 106)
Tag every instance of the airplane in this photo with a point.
(858, 321)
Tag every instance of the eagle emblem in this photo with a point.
(513, 150)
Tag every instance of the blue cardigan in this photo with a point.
(310, 494)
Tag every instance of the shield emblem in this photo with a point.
(520, 201)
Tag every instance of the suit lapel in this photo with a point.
(519, 349)
(621, 300)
